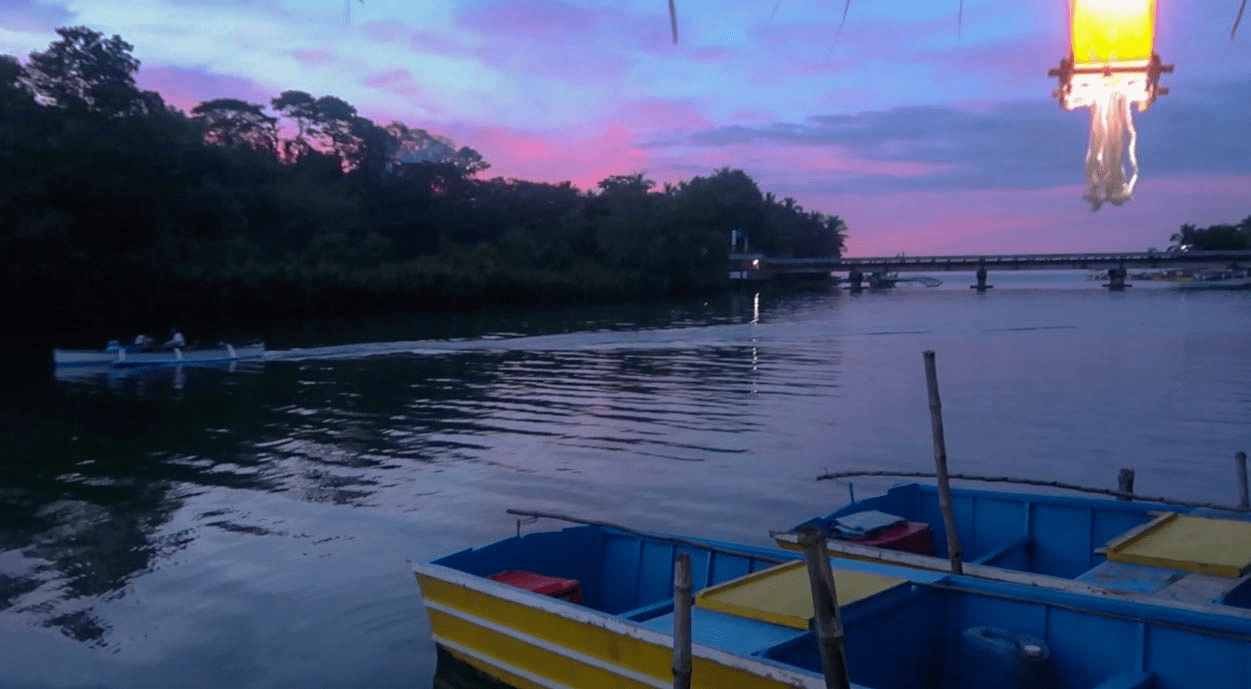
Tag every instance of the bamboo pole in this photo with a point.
(645, 534)
(682, 621)
(1240, 463)
(829, 626)
(839, 475)
(940, 465)
(1125, 484)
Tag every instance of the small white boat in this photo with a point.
(113, 355)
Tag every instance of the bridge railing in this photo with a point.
(990, 260)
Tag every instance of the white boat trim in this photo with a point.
(764, 667)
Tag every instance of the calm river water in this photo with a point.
(250, 528)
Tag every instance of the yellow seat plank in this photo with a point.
(782, 595)
(1199, 544)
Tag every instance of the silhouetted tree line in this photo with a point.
(1213, 238)
(116, 207)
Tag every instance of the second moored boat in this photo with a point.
(1184, 556)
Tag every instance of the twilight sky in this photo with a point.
(922, 143)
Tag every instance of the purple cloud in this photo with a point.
(400, 82)
(1018, 145)
(186, 87)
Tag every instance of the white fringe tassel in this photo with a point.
(1110, 120)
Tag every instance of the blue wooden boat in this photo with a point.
(1188, 557)
(592, 606)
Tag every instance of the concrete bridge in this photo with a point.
(753, 267)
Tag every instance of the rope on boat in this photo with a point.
(834, 476)
(645, 534)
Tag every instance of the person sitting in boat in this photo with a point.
(176, 340)
(143, 343)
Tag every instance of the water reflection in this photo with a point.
(115, 452)
(223, 496)
(140, 378)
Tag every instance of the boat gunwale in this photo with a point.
(615, 624)
(1003, 575)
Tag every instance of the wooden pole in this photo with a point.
(673, 21)
(682, 622)
(829, 626)
(1125, 483)
(1240, 463)
(940, 465)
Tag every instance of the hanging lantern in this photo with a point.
(1112, 64)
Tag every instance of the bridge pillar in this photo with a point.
(981, 285)
(1116, 278)
(855, 277)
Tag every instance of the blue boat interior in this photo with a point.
(934, 630)
(1053, 535)
(619, 573)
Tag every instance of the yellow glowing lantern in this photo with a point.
(1105, 31)
(1112, 63)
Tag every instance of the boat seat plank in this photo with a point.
(1127, 576)
(1197, 587)
(1207, 545)
(729, 632)
(782, 595)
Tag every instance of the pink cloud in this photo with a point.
(314, 56)
(582, 158)
(918, 222)
(185, 87)
(1043, 220)
(613, 145)
(400, 82)
(659, 114)
(420, 40)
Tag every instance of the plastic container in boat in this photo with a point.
(556, 587)
(912, 537)
(992, 658)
